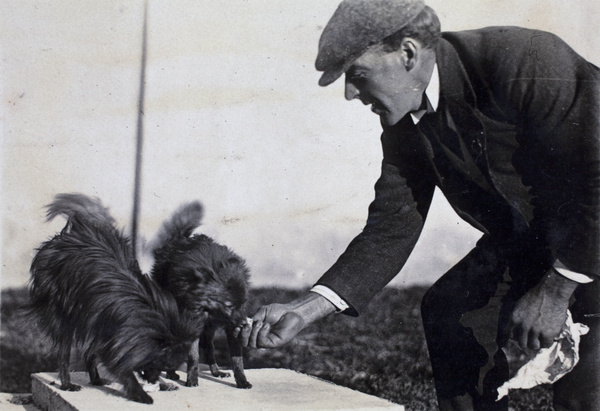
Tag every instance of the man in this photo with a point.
(505, 121)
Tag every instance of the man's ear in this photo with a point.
(410, 49)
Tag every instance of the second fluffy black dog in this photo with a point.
(209, 281)
(87, 290)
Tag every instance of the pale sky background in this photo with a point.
(233, 117)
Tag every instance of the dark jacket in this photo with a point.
(526, 109)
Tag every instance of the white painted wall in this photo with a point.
(233, 117)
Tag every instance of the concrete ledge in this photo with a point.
(273, 389)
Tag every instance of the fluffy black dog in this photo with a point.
(86, 289)
(209, 281)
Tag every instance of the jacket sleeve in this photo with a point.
(377, 254)
(554, 96)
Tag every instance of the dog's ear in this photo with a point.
(233, 260)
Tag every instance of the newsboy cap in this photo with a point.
(356, 25)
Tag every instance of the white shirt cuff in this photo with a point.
(331, 296)
(571, 275)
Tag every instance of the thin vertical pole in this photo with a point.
(139, 138)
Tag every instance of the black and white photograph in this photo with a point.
(313, 205)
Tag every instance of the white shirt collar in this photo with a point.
(432, 93)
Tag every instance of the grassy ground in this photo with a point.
(382, 352)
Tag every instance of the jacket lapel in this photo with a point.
(463, 117)
(459, 97)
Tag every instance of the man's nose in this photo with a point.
(351, 91)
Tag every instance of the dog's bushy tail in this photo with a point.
(182, 224)
(75, 206)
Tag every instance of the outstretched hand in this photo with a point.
(272, 326)
(275, 325)
(539, 315)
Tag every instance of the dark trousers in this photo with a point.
(465, 314)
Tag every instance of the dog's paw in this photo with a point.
(216, 372)
(99, 382)
(172, 375)
(222, 374)
(142, 397)
(167, 387)
(243, 384)
(70, 387)
(191, 382)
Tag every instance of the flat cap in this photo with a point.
(356, 25)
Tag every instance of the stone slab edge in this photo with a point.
(46, 399)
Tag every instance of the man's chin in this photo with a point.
(388, 120)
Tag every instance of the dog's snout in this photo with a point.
(238, 317)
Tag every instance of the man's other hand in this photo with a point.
(539, 315)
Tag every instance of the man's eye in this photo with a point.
(359, 76)
(356, 76)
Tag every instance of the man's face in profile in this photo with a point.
(382, 79)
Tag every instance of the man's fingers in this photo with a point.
(515, 333)
(271, 326)
(533, 340)
(256, 327)
(546, 341)
(252, 327)
(254, 335)
(539, 340)
(524, 339)
(265, 338)
(245, 334)
(260, 316)
(236, 331)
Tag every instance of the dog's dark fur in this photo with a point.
(207, 280)
(87, 290)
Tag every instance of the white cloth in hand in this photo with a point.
(548, 365)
